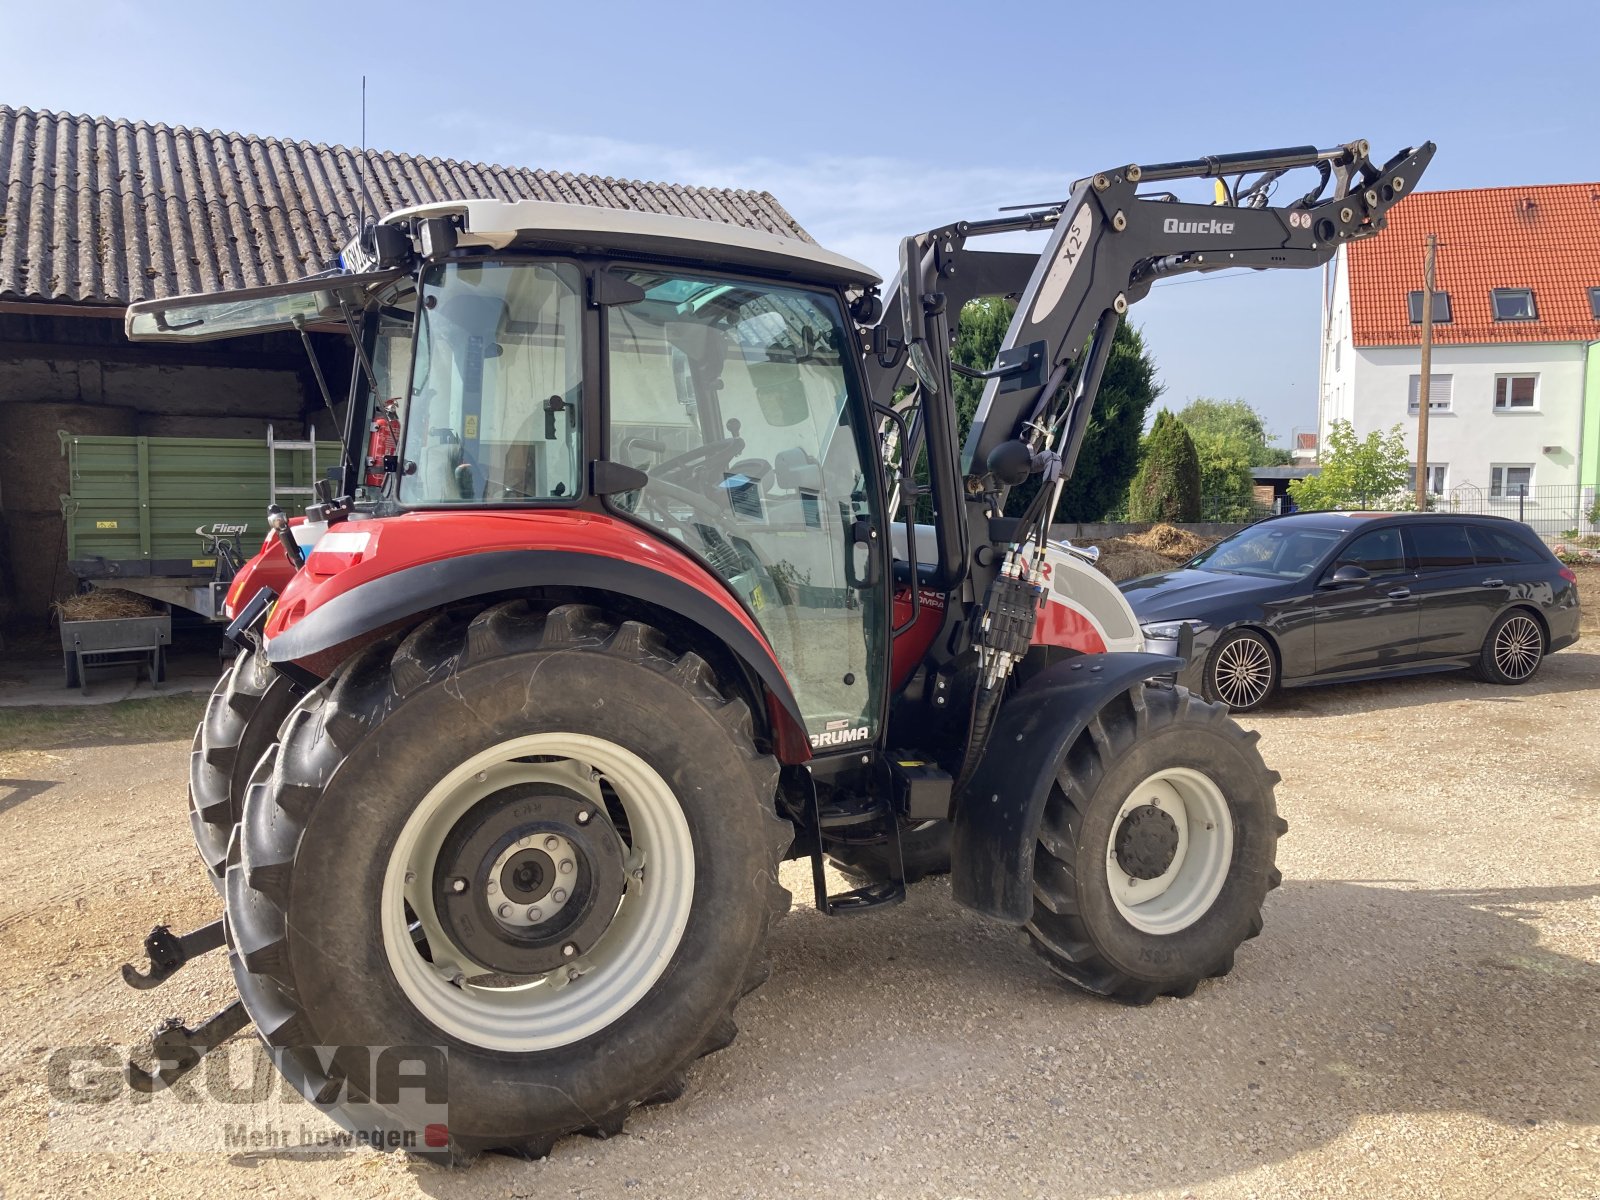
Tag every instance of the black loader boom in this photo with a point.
(1109, 242)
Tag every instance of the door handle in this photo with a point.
(1400, 593)
(1494, 583)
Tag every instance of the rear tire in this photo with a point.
(1512, 650)
(487, 720)
(242, 717)
(1132, 903)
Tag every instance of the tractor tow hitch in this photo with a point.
(168, 951)
(174, 1042)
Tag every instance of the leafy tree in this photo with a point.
(1238, 425)
(1369, 472)
(1110, 453)
(1226, 483)
(1167, 485)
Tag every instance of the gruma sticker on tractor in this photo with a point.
(618, 601)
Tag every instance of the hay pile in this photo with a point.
(105, 604)
(1159, 548)
(1170, 542)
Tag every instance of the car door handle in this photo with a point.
(1400, 593)
(1494, 583)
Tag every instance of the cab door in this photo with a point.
(740, 402)
(1372, 625)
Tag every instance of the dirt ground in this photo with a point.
(1421, 1016)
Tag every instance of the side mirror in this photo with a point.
(1348, 575)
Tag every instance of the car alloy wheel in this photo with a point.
(1241, 674)
(1518, 647)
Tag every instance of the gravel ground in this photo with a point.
(1421, 1016)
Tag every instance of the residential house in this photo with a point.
(1514, 393)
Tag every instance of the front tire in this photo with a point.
(1512, 650)
(1241, 671)
(1156, 849)
(460, 756)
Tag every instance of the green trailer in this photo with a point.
(137, 507)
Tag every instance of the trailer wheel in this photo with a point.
(1156, 849)
(540, 839)
(242, 718)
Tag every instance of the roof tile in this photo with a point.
(1545, 237)
(106, 211)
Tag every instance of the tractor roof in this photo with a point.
(502, 223)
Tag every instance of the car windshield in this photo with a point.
(1270, 550)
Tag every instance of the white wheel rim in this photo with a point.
(593, 990)
(1185, 891)
(1518, 647)
(1243, 672)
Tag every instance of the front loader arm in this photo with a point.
(1108, 244)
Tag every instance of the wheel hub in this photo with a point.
(1147, 841)
(529, 878)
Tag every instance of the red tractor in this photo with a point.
(620, 599)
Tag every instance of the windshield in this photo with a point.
(495, 401)
(1270, 550)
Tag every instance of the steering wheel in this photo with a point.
(685, 466)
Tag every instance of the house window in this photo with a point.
(1440, 388)
(1515, 392)
(1507, 481)
(1441, 308)
(1513, 304)
(1436, 475)
(1594, 303)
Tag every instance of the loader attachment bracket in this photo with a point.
(998, 813)
(168, 951)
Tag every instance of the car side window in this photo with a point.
(1379, 552)
(1440, 547)
(1493, 547)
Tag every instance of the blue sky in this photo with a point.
(873, 120)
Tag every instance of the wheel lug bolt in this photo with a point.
(566, 866)
(411, 876)
(482, 776)
(535, 915)
(559, 896)
(504, 910)
(583, 817)
(552, 842)
(458, 885)
(493, 887)
(569, 949)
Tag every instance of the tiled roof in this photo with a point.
(1546, 238)
(105, 211)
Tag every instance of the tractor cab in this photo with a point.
(691, 381)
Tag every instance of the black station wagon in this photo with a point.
(1319, 597)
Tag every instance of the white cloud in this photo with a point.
(860, 205)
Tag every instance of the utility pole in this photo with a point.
(1427, 368)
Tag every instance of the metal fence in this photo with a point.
(1550, 511)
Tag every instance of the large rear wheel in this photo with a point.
(1156, 850)
(541, 840)
(242, 717)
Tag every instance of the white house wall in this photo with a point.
(1473, 435)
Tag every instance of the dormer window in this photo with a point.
(1594, 303)
(1441, 308)
(1513, 304)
